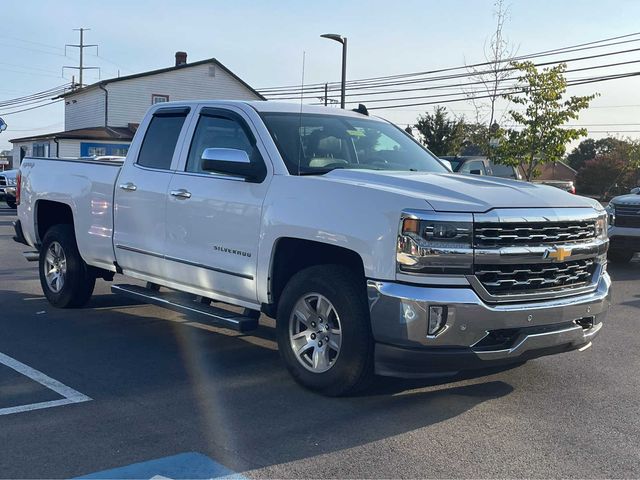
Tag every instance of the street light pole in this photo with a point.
(343, 41)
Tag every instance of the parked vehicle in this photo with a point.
(566, 185)
(369, 254)
(624, 226)
(479, 165)
(8, 187)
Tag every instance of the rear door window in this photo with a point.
(160, 140)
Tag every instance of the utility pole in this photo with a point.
(81, 46)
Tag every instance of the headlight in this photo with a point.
(611, 213)
(11, 181)
(432, 243)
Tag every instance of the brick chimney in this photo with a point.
(181, 58)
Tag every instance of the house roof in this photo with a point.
(96, 133)
(164, 70)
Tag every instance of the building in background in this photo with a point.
(102, 118)
(557, 171)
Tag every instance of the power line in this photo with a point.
(470, 75)
(467, 98)
(556, 51)
(30, 108)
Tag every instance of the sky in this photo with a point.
(263, 43)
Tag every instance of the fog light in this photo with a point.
(437, 319)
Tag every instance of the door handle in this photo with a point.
(129, 187)
(182, 193)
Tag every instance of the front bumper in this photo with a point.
(476, 334)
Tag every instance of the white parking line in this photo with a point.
(70, 395)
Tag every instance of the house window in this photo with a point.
(99, 149)
(40, 150)
(96, 151)
(155, 98)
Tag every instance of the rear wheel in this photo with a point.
(67, 281)
(324, 332)
(619, 256)
(11, 204)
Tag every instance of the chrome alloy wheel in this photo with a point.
(55, 267)
(315, 333)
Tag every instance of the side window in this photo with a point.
(474, 165)
(160, 141)
(215, 131)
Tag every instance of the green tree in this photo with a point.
(588, 149)
(613, 172)
(441, 135)
(541, 137)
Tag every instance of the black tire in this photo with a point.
(79, 279)
(619, 256)
(352, 369)
(11, 204)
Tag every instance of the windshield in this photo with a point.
(318, 143)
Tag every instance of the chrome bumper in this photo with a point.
(399, 321)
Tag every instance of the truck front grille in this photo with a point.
(495, 235)
(508, 279)
(627, 216)
(3, 181)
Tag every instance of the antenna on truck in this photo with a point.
(300, 150)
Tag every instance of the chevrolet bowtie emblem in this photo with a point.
(559, 254)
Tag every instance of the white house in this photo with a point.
(101, 119)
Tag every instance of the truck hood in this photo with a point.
(630, 199)
(448, 192)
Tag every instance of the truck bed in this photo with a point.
(86, 186)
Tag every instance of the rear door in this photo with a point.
(141, 195)
(213, 218)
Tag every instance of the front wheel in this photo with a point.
(67, 281)
(324, 332)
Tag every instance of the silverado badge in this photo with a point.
(558, 254)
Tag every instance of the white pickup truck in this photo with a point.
(371, 257)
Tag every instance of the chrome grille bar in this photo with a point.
(532, 234)
(513, 250)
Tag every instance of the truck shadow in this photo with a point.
(217, 394)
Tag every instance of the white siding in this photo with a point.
(130, 99)
(16, 152)
(69, 148)
(29, 146)
(84, 109)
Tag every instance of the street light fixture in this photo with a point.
(343, 41)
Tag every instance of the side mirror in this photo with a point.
(229, 161)
(475, 172)
(636, 190)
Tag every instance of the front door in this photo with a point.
(213, 218)
(141, 196)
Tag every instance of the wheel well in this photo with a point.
(50, 213)
(292, 255)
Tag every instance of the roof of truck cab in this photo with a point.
(268, 106)
(285, 107)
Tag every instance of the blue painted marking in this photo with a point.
(184, 465)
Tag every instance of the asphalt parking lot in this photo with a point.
(118, 384)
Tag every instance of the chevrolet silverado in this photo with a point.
(371, 256)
